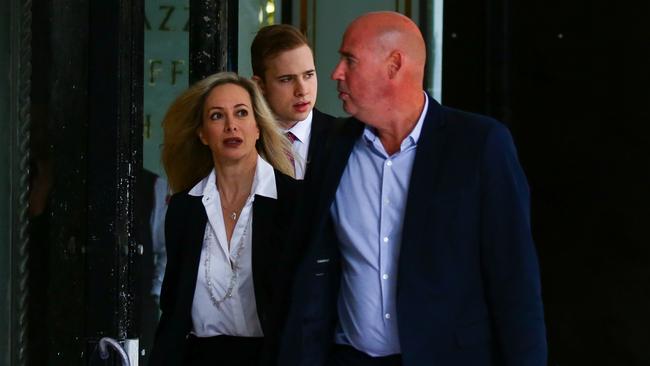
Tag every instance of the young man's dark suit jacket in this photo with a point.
(321, 124)
(184, 229)
(468, 289)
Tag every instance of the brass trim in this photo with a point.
(303, 16)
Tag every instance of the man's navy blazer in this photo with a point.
(468, 287)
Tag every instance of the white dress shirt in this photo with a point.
(236, 315)
(300, 147)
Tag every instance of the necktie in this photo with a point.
(291, 137)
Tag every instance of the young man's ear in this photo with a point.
(260, 83)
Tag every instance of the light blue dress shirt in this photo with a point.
(368, 213)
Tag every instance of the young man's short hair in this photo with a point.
(271, 41)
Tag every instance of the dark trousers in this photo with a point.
(223, 351)
(343, 355)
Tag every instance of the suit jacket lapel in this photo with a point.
(342, 147)
(262, 247)
(196, 221)
(424, 175)
(317, 127)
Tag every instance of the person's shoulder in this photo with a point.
(289, 191)
(285, 183)
(464, 120)
(325, 128)
(182, 199)
(321, 117)
(322, 123)
(477, 130)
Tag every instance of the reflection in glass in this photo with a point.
(253, 15)
(166, 74)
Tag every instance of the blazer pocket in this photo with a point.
(474, 334)
(323, 266)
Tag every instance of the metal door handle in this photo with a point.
(104, 354)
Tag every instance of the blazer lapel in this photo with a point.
(316, 133)
(196, 221)
(262, 247)
(342, 147)
(424, 175)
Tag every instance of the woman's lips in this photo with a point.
(233, 141)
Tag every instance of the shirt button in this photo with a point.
(385, 276)
(389, 163)
(386, 201)
(387, 316)
(385, 239)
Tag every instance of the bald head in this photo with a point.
(388, 31)
(381, 72)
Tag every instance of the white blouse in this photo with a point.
(224, 299)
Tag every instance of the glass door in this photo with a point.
(72, 118)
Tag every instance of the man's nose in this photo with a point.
(300, 89)
(337, 74)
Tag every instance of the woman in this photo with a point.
(228, 163)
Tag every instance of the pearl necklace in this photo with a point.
(235, 269)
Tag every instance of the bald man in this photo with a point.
(420, 250)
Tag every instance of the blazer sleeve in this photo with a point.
(174, 222)
(508, 255)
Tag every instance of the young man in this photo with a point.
(283, 68)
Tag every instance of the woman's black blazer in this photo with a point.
(184, 229)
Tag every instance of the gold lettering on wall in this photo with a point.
(168, 71)
(169, 18)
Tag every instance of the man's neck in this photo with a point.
(399, 126)
(392, 138)
(287, 125)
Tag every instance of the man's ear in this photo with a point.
(394, 63)
(260, 83)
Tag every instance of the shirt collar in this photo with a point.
(263, 182)
(301, 128)
(412, 138)
(415, 133)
